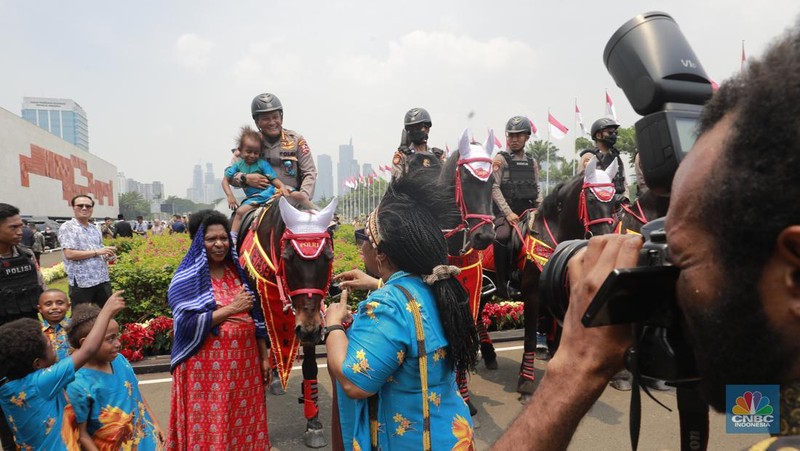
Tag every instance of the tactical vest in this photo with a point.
(19, 285)
(520, 189)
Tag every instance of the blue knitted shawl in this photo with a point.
(192, 302)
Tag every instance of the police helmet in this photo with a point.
(264, 103)
(519, 124)
(418, 116)
(603, 123)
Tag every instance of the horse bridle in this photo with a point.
(280, 272)
(462, 204)
(583, 208)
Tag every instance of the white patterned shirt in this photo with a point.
(88, 272)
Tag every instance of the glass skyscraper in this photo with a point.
(61, 117)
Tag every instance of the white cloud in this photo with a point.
(193, 51)
(267, 61)
(422, 54)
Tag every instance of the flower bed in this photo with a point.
(503, 315)
(54, 272)
(153, 337)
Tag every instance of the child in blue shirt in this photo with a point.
(250, 144)
(53, 307)
(32, 384)
(110, 411)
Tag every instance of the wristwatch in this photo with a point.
(243, 179)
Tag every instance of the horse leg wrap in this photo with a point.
(484, 336)
(526, 370)
(309, 399)
(462, 379)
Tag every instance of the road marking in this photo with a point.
(321, 365)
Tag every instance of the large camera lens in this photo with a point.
(554, 281)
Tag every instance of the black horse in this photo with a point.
(578, 208)
(289, 259)
(463, 208)
(648, 206)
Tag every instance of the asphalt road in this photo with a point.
(604, 428)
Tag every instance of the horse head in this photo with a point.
(306, 262)
(596, 200)
(469, 173)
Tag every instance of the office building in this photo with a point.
(324, 186)
(61, 117)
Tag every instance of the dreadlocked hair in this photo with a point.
(413, 241)
(23, 342)
(83, 318)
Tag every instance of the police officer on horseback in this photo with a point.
(604, 135)
(286, 151)
(516, 189)
(414, 151)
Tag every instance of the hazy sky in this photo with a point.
(166, 84)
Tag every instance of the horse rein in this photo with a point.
(583, 208)
(462, 204)
(640, 217)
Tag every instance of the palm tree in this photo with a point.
(542, 151)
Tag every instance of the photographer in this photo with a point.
(736, 240)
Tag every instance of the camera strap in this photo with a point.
(692, 406)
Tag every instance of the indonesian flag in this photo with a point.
(497, 142)
(557, 129)
(579, 119)
(610, 111)
(362, 180)
(534, 129)
(349, 183)
(714, 85)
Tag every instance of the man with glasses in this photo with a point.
(84, 255)
(515, 190)
(414, 151)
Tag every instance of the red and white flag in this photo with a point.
(579, 119)
(557, 129)
(611, 113)
(714, 85)
(349, 183)
(497, 142)
(534, 129)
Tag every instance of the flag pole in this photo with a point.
(574, 141)
(547, 152)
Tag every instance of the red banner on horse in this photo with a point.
(471, 277)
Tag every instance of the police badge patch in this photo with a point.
(303, 146)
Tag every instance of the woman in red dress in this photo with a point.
(220, 361)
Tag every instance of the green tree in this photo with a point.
(132, 204)
(540, 149)
(626, 141)
(183, 206)
(582, 143)
(563, 171)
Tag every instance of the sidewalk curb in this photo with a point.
(160, 364)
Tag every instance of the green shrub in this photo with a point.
(125, 245)
(145, 272)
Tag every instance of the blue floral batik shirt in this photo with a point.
(383, 358)
(57, 335)
(88, 272)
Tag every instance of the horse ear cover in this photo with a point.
(307, 221)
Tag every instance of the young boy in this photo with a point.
(53, 306)
(32, 384)
(250, 150)
(110, 410)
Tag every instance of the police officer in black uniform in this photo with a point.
(515, 190)
(20, 285)
(413, 151)
(604, 135)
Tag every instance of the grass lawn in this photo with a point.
(62, 284)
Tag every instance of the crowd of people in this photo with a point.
(393, 358)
